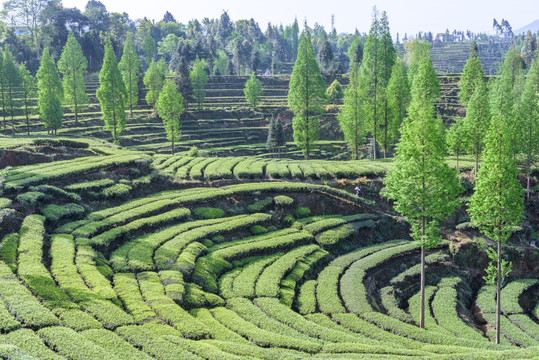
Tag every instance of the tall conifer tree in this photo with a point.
(477, 121)
(50, 94)
(153, 80)
(72, 66)
(398, 97)
(11, 83)
(528, 136)
(350, 116)
(28, 92)
(199, 78)
(130, 67)
(472, 76)
(496, 205)
(306, 96)
(170, 109)
(423, 186)
(112, 94)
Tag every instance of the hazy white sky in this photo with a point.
(408, 16)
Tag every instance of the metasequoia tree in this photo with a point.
(50, 94)
(421, 183)
(306, 96)
(112, 94)
(73, 66)
(130, 67)
(170, 109)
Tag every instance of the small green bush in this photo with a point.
(5, 203)
(193, 152)
(31, 199)
(117, 190)
(258, 230)
(55, 212)
(302, 212)
(289, 219)
(260, 205)
(208, 213)
(283, 200)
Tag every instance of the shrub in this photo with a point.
(302, 212)
(283, 200)
(193, 152)
(334, 236)
(260, 205)
(258, 230)
(208, 213)
(118, 190)
(31, 199)
(5, 203)
(54, 213)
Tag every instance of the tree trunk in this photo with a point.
(476, 164)
(528, 186)
(422, 296)
(457, 161)
(498, 286)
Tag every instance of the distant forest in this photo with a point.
(228, 47)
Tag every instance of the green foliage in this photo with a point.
(476, 123)
(73, 65)
(199, 78)
(423, 186)
(117, 190)
(306, 96)
(283, 201)
(379, 55)
(193, 152)
(253, 90)
(112, 94)
(55, 213)
(528, 134)
(149, 48)
(350, 116)
(302, 212)
(208, 213)
(472, 76)
(456, 138)
(496, 205)
(130, 68)
(50, 93)
(336, 235)
(11, 83)
(170, 108)
(334, 92)
(260, 205)
(492, 270)
(258, 230)
(28, 91)
(153, 80)
(3, 176)
(31, 199)
(398, 97)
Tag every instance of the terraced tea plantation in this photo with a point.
(127, 255)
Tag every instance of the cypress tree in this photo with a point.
(529, 48)
(170, 109)
(477, 121)
(50, 93)
(456, 139)
(28, 91)
(306, 96)
(199, 78)
(422, 184)
(496, 205)
(350, 116)
(11, 82)
(112, 94)
(472, 76)
(130, 67)
(153, 80)
(149, 48)
(387, 60)
(72, 66)
(253, 90)
(528, 136)
(398, 97)
(3, 88)
(271, 141)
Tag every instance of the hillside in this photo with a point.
(231, 252)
